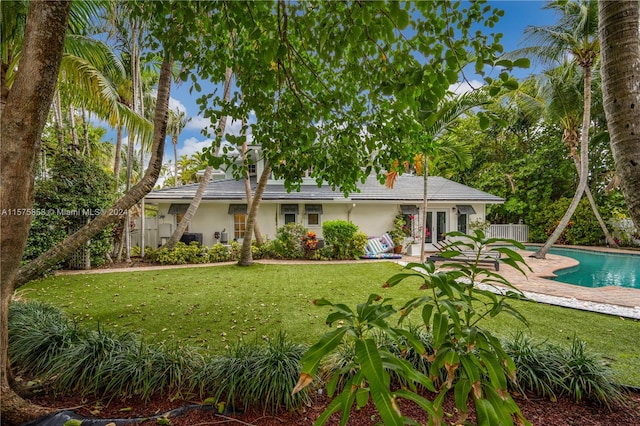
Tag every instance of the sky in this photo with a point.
(519, 14)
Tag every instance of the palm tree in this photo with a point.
(197, 198)
(575, 34)
(560, 91)
(177, 122)
(620, 41)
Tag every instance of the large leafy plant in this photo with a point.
(465, 358)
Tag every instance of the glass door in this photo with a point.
(436, 226)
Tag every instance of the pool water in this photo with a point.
(599, 269)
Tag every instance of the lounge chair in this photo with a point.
(380, 248)
(466, 256)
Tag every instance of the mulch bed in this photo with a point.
(540, 412)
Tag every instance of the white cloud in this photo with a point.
(176, 105)
(193, 145)
(465, 86)
(233, 127)
(198, 123)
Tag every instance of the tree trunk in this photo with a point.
(174, 141)
(85, 134)
(584, 169)
(619, 23)
(423, 237)
(594, 207)
(75, 142)
(195, 203)
(118, 157)
(69, 245)
(23, 111)
(191, 211)
(247, 189)
(57, 116)
(246, 257)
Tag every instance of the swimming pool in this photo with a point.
(599, 269)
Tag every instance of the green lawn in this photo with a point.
(212, 306)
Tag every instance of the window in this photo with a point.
(239, 225)
(313, 212)
(179, 217)
(464, 211)
(251, 168)
(313, 219)
(239, 213)
(289, 212)
(462, 223)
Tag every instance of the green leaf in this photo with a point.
(522, 63)
(496, 373)
(504, 63)
(487, 415)
(378, 379)
(362, 397)
(424, 403)
(440, 328)
(426, 314)
(483, 120)
(461, 394)
(311, 359)
(511, 84)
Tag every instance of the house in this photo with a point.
(223, 210)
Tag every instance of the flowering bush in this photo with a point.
(309, 241)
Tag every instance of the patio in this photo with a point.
(624, 302)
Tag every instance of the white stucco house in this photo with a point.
(451, 206)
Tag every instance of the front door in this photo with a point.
(436, 227)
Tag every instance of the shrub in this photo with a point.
(539, 366)
(181, 254)
(476, 366)
(550, 371)
(253, 374)
(583, 229)
(288, 242)
(586, 376)
(46, 344)
(338, 235)
(219, 253)
(357, 243)
(75, 190)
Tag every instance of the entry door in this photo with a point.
(436, 226)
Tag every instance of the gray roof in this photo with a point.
(406, 188)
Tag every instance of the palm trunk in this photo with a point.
(619, 23)
(195, 203)
(247, 189)
(584, 169)
(423, 237)
(587, 191)
(75, 142)
(85, 134)
(246, 257)
(57, 115)
(191, 211)
(132, 138)
(69, 245)
(118, 157)
(23, 113)
(174, 140)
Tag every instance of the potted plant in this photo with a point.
(397, 234)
